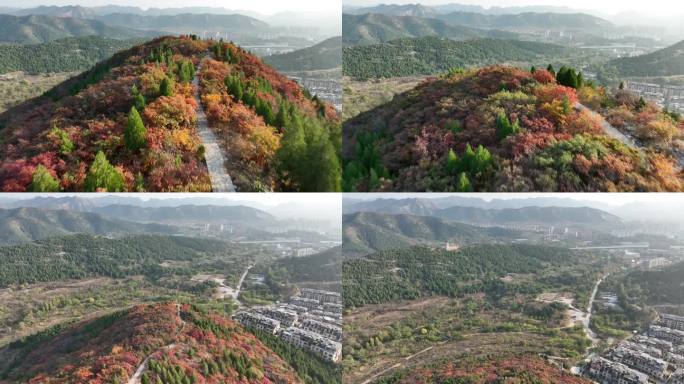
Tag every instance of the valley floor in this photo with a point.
(17, 87)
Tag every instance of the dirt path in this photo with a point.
(220, 179)
(137, 376)
(399, 365)
(609, 129)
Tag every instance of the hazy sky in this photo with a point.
(653, 7)
(616, 199)
(261, 6)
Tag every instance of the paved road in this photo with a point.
(587, 320)
(236, 294)
(220, 179)
(607, 128)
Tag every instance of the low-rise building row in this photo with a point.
(610, 372)
(641, 361)
(287, 318)
(676, 337)
(328, 349)
(330, 331)
(258, 321)
(321, 295)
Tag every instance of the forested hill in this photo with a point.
(184, 344)
(433, 55)
(376, 28)
(130, 124)
(665, 62)
(84, 256)
(63, 55)
(324, 55)
(29, 224)
(41, 29)
(410, 273)
(506, 129)
(368, 232)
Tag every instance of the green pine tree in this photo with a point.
(463, 183)
(103, 176)
(451, 161)
(166, 87)
(43, 181)
(135, 133)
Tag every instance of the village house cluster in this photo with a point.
(656, 356)
(312, 321)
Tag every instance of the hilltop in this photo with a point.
(373, 28)
(131, 124)
(501, 128)
(668, 61)
(163, 341)
(324, 55)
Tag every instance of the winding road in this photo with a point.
(586, 322)
(220, 179)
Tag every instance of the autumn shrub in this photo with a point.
(150, 80)
(592, 97)
(543, 76)
(550, 93)
(620, 117)
(582, 122)
(659, 131)
(171, 112)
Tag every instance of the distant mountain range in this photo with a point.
(205, 213)
(528, 21)
(29, 224)
(376, 28)
(40, 29)
(425, 10)
(199, 20)
(406, 204)
(664, 62)
(185, 23)
(324, 55)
